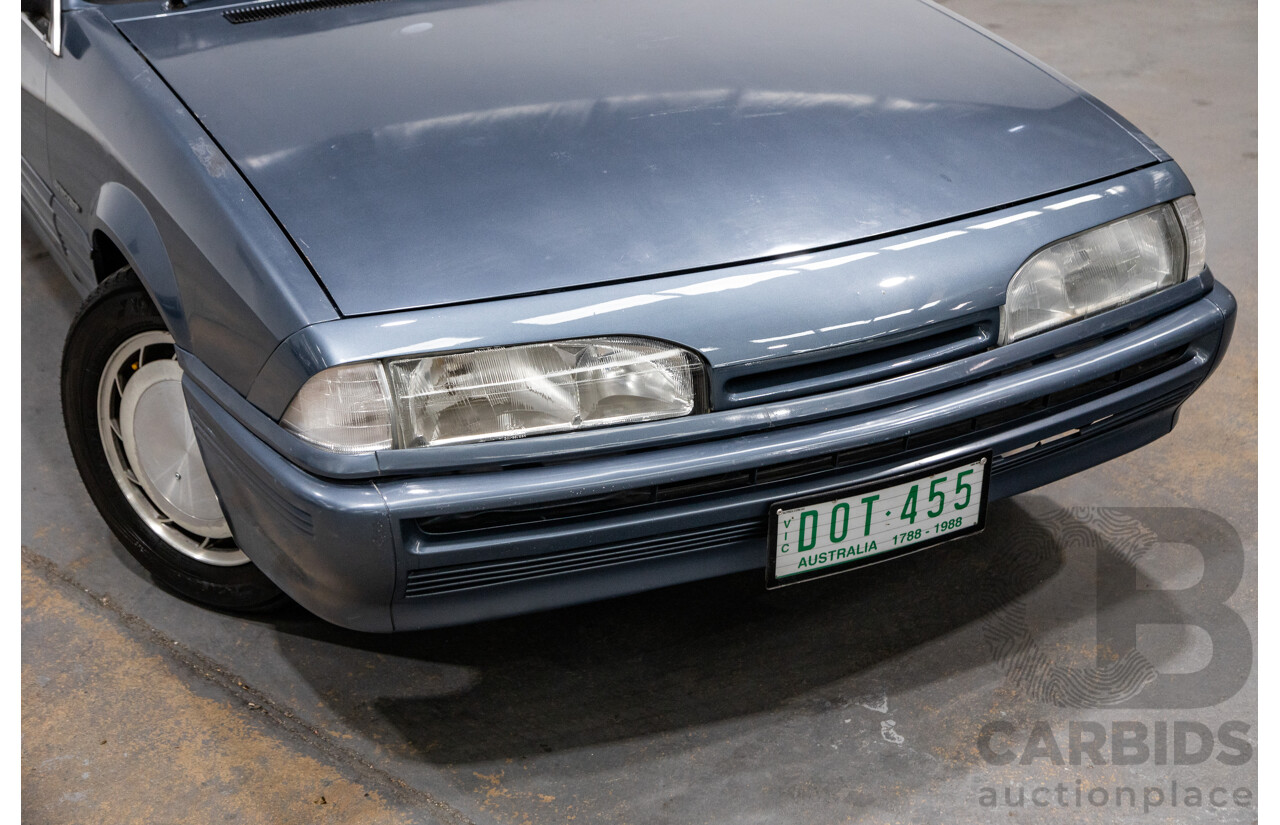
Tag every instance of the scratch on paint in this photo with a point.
(209, 157)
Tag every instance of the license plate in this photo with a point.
(875, 522)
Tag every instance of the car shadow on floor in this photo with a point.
(688, 656)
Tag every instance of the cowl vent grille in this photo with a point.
(266, 11)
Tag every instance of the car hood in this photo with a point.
(423, 152)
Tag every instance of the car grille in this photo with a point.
(480, 522)
(877, 360)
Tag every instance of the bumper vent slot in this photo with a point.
(266, 11)
(487, 574)
(1067, 441)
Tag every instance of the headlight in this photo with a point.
(1104, 267)
(506, 392)
(345, 409)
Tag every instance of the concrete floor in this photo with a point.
(858, 698)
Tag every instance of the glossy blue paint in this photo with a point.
(483, 150)
(783, 311)
(193, 229)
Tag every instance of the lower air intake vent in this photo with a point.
(266, 11)
(485, 574)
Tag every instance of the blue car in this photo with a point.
(423, 312)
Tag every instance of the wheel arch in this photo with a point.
(123, 232)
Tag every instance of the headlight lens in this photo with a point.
(507, 392)
(1104, 268)
(345, 409)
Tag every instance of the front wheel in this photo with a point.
(134, 446)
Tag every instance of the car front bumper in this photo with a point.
(416, 551)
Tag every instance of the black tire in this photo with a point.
(202, 564)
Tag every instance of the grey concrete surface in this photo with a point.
(856, 698)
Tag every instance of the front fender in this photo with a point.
(121, 217)
(225, 275)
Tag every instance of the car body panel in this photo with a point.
(485, 150)
(127, 159)
(769, 315)
(37, 197)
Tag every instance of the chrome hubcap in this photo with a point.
(152, 451)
